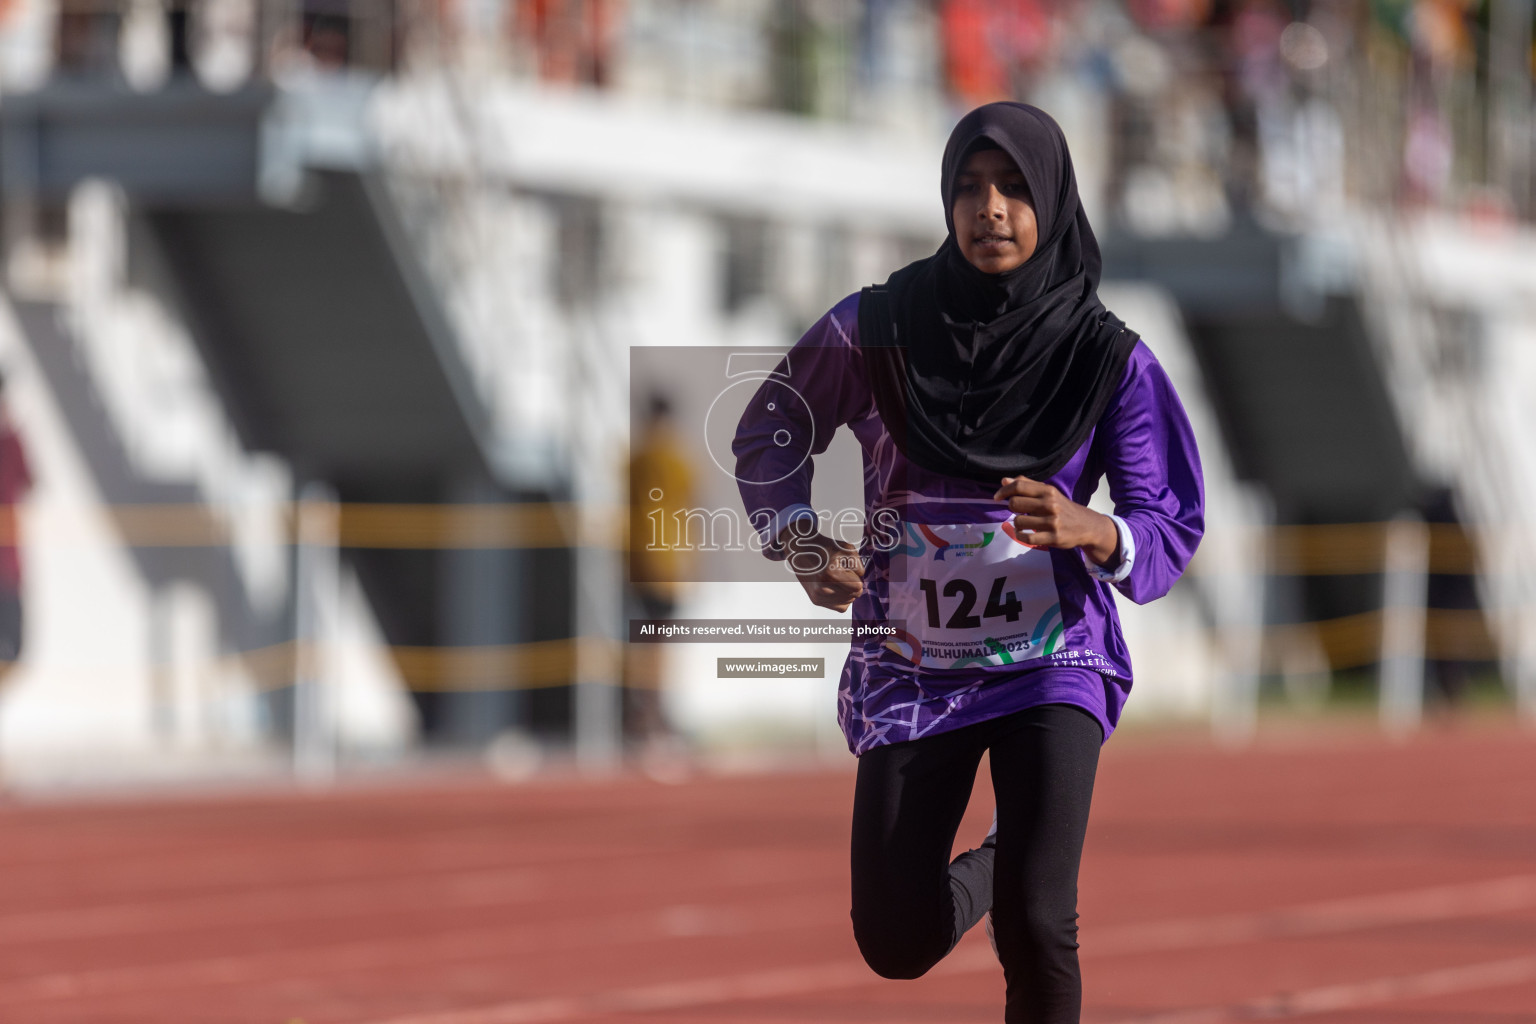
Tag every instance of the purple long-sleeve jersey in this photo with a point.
(1068, 647)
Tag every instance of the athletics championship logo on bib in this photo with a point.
(972, 594)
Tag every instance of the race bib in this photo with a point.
(971, 594)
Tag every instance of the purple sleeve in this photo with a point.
(817, 387)
(1147, 450)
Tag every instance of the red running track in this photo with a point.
(1340, 879)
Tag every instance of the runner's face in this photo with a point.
(994, 221)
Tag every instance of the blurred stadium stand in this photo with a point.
(326, 345)
(407, 247)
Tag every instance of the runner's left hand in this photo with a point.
(1055, 521)
(831, 571)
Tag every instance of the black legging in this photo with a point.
(911, 905)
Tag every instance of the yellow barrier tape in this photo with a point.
(372, 525)
(528, 666)
(535, 665)
(1328, 550)
(1350, 549)
(1351, 641)
(532, 525)
(170, 525)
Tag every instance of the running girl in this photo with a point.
(991, 391)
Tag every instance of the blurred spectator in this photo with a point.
(975, 74)
(989, 45)
(1428, 155)
(1257, 86)
(1255, 48)
(1205, 107)
(323, 35)
(328, 33)
(573, 39)
(1443, 52)
(178, 22)
(813, 44)
(1440, 33)
(1159, 15)
(86, 39)
(660, 489)
(15, 482)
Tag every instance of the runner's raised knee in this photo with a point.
(896, 953)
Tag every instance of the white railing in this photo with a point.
(1442, 302)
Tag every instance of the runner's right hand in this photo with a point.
(831, 571)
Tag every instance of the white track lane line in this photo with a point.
(1325, 918)
(791, 981)
(1354, 913)
(1356, 994)
(386, 953)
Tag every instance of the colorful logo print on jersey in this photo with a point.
(944, 547)
(913, 546)
(1044, 640)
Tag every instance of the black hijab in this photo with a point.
(991, 375)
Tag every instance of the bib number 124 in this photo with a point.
(1000, 605)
